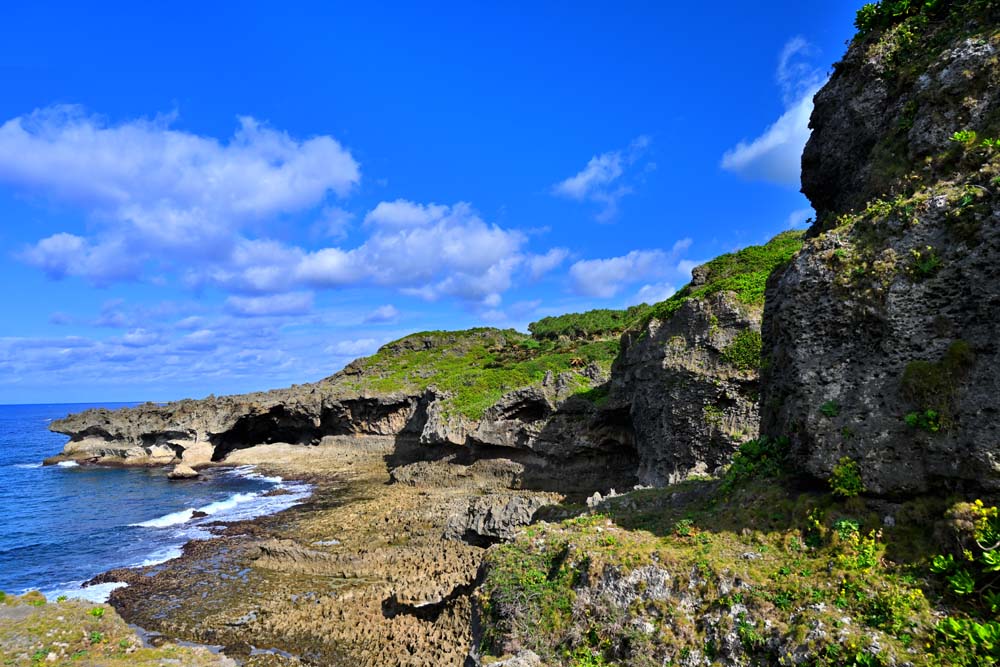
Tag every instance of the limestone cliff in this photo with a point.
(571, 407)
(688, 376)
(880, 338)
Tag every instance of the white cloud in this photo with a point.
(292, 303)
(140, 338)
(382, 315)
(403, 213)
(604, 278)
(539, 265)
(154, 189)
(776, 155)
(600, 180)
(62, 255)
(653, 293)
(353, 348)
(167, 204)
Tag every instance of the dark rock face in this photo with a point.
(882, 336)
(871, 123)
(494, 518)
(690, 407)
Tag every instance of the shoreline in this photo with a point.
(360, 572)
(198, 522)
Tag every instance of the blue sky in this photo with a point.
(204, 201)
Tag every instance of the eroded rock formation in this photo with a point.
(881, 338)
(690, 405)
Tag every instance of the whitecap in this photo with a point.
(222, 506)
(167, 520)
(68, 464)
(161, 556)
(75, 589)
(27, 465)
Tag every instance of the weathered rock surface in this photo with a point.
(495, 518)
(882, 336)
(182, 471)
(554, 439)
(875, 116)
(690, 407)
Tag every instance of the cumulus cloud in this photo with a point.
(539, 265)
(776, 155)
(292, 303)
(382, 315)
(154, 189)
(602, 179)
(653, 293)
(604, 278)
(353, 348)
(165, 204)
(403, 213)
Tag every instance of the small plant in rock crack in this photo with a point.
(924, 263)
(964, 137)
(830, 409)
(927, 420)
(845, 480)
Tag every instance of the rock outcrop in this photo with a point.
(182, 471)
(881, 338)
(494, 518)
(691, 405)
(572, 409)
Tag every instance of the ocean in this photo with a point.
(61, 525)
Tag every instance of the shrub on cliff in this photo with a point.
(744, 272)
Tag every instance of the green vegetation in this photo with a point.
(74, 633)
(928, 420)
(744, 272)
(830, 409)
(591, 324)
(845, 480)
(745, 350)
(478, 366)
(931, 386)
(763, 458)
(688, 565)
(970, 574)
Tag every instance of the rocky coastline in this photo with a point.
(793, 460)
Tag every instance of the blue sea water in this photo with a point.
(61, 525)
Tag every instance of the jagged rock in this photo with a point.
(690, 407)
(198, 431)
(866, 121)
(182, 471)
(494, 518)
(891, 311)
(520, 659)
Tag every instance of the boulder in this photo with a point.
(182, 471)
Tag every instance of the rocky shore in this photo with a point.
(367, 572)
(818, 416)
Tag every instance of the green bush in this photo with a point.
(744, 272)
(928, 420)
(745, 350)
(761, 458)
(845, 480)
(591, 324)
